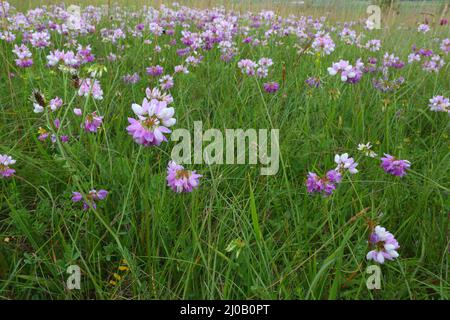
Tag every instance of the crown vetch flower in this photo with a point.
(23, 54)
(271, 87)
(92, 122)
(89, 86)
(385, 246)
(394, 166)
(440, 104)
(154, 120)
(325, 185)
(91, 198)
(344, 162)
(180, 179)
(5, 163)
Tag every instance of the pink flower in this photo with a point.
(181, 180)
(154, 120)
(92, 122)
(89, 86)
(55, 103)
(385, 246)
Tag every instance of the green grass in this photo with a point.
(294, 245)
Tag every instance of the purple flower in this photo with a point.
(424, 28)
(55, 103)
(385, 246)
(91, 198)
(323, 43)
(89, 86)
(131, 78)
(348, 73)
(445, 46)
(5, 162)
(154, 118)
(394, 166)
(166, 82)
(92, 122)
(40, 39)
(155, 71)
(325, 185)
(440, 104)
(313, 82)
(344, 162)
(23, 54)
(181, 180)
(271, 87)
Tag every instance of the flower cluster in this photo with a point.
(348, 73)
(24, 55)
(5, 163)
(251, 68)
(394, 166)
(154, 118)
(440, 104)
(89, 201)
(90, 87)
(181, 180)
(385, 246)
(327, 184)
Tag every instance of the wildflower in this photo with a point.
(92, 122)
(323, 43)
(325, 185)
(347, 72)
(5, 162)
(91, 198)
(77, 112)
(40, 39)
(440, 104)
(181, 69)
(271, 87)
(24, 55)
(445, 46)
(344, 162)
(386, 85)
(131, 78)
(434, 64)
(373, 45)
(391, 61)
(385, 246)
(313, 82)
(247, 66)
(166, 82)
(367, 149)
(423, 28)
(154, 120)
(89, 86)
(55, 103)
(180, 179)
(155, 93)
(394, 166)
(155, 71)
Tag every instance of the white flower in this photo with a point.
(366, 149)
(38, 108)
(345, 162)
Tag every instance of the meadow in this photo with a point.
(88, 103)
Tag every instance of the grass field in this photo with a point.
(240, 234)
